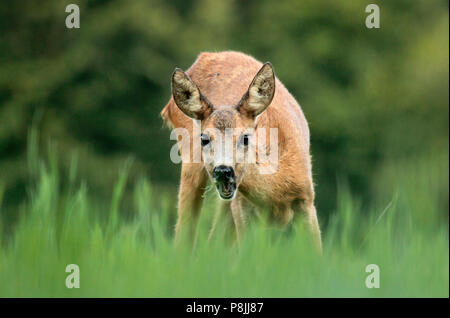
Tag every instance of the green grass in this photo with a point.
(404, 232)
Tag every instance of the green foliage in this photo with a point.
(406, 237)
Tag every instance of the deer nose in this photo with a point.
(223, 173)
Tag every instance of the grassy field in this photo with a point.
(404, 232)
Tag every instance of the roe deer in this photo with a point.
(231, 90)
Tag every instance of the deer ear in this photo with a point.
(187, 96)
(260, 92)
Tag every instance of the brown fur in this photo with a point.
(223, 119)
(224, 78)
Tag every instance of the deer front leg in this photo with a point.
(313, 225)
(308, 215)
(230, 219)
(223, 221)
(190, 199)
(239, 216)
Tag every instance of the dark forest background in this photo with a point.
(372, 97)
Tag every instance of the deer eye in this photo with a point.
(204, 140)
(245, 139)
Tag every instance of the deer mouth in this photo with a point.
(226, 190)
